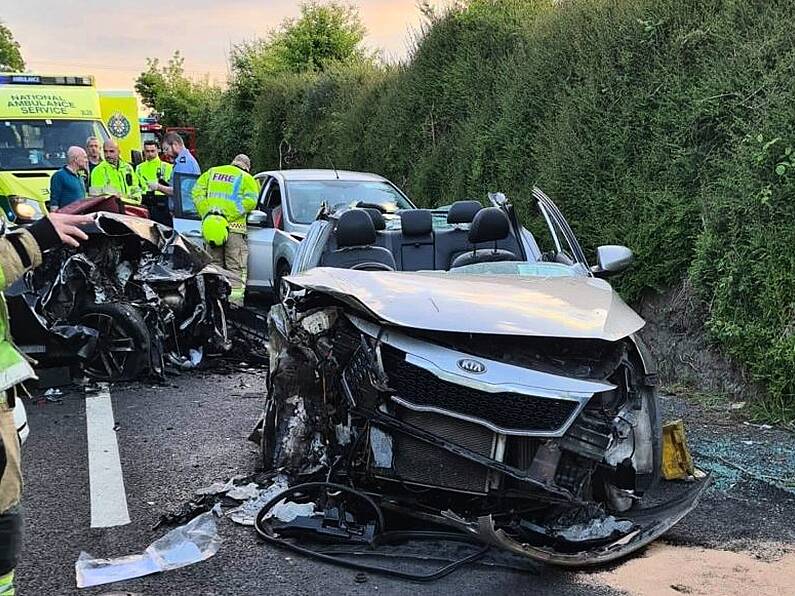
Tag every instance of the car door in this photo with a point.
(260, 238)
(567, 246)
(186, 218)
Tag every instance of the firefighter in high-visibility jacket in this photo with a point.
(20, 251)
(114, 176)
(224, 196)
(156, 172)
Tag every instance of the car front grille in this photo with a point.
(507, 412)
(419, 463)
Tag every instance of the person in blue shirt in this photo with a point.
(66, 185)
(184, 163)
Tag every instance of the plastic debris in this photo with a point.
(596, 529)
(195, 541)
(243, 493)
(217, 488)
(287, 511)
(52, 395)
(381, 446)
(247, 512)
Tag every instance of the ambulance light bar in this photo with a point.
(29, 79)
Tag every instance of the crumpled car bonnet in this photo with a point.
(568, 307)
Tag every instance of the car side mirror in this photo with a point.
(136, 157)
(257, 218)
(612, 259)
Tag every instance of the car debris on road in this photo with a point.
(133, 297)
(196, 541)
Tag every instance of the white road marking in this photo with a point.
(108, 499)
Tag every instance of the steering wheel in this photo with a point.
(372, 266)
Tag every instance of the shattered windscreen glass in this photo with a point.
(306, 196)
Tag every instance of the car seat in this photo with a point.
(490, 225)
(356, 245)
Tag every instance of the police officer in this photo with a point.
(20, 251)
(114, 176)
(159, 172)
(224, 195)
(184, 162)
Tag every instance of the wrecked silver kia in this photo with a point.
(469, 371)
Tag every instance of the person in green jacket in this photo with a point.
(114, 176)
(20, 251)
(151, 174)
(224, 196)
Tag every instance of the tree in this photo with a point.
(10, 56)
(323, 34)
(177, 99)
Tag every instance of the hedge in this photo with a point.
(665, 125)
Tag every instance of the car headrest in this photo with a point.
(355, 228)
(378, 218)
(463, 212)
(416, 222)
(489, 225)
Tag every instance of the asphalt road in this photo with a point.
(175, 439)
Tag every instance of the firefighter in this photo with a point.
(114, 176)
(224, 195)
(20, 251)
(157, 171)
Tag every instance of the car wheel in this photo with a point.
(122, 349)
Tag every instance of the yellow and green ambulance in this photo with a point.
(41, 116)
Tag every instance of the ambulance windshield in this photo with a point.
(42, 144)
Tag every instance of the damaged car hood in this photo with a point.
(568, 307)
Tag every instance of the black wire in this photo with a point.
(632, 428)
(381, 536)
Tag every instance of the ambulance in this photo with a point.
(41, 116)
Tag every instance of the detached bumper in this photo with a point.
(649, 524)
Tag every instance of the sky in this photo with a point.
(111, 40)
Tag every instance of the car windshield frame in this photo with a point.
(521, 269)
(289, 187)
(30, 152)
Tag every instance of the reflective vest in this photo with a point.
(122, 179)
(153, 171)
(14, 368)
(229, 191)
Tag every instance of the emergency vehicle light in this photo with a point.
(29, 79)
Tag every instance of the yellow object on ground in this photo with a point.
(677, 462)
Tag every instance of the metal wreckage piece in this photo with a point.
(131, 298)
(339, 409)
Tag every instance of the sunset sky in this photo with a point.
(112, 40)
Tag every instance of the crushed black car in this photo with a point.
(133, 297)
(467, 371)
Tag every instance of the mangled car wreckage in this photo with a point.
(465, 370)
(133, 297)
